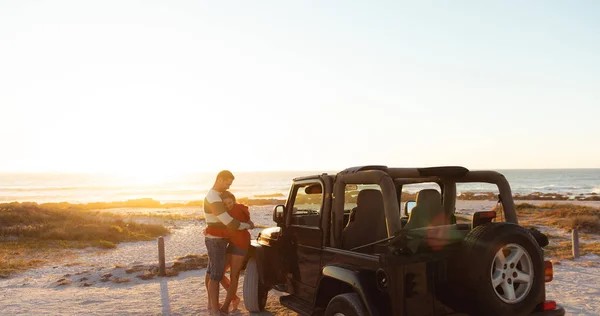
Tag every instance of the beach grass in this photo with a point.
(271, 199)
(561, 216)
(562, 249)
(32, 234)
(564, 217)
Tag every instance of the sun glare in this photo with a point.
(145, 178)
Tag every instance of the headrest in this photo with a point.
(429, 197)
(368, 196)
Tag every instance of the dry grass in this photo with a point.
(9, 266)
(31, 235)
(147, 275)
(63, 282)
(590, 248)
(556, 236)
(560, 216)
(584, 223)
(559, 249)
(587, 237)
(164, 217)
(563, 249)
(563, 217)
(33, 221)
(121, 280)
(270, 199)
(190, 262)
(186, 263)
(16, 256)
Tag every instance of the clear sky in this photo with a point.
(163, 86)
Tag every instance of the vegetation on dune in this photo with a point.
(29, 220)
(186, 263)
(32, 234)
(136, 203)
(268, 199)
(562, 249)
(564, 217)
(256, 202)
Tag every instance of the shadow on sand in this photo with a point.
(164, 296)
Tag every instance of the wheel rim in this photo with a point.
(512, 273)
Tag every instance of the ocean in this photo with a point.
(85, 188)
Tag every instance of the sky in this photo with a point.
(166, 86)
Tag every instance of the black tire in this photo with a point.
(519, 282)
(348, 304)
(255, 294)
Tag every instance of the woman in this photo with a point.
(239, 242)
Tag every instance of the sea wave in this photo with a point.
(85, 189)
(555, 187)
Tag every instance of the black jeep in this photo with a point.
(342, 246)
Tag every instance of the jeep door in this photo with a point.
(302, 254)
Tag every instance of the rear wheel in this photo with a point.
(347, 304)
(255, 293)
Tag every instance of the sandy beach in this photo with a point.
(96, 282)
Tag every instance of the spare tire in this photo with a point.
(503, 270)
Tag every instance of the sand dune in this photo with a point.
(97, 282)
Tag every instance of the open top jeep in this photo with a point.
(350, 244)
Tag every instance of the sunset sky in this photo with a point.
(176, 86)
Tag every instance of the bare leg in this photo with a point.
(206, 280)
(225, 281)
(236, 267)
(213, 295)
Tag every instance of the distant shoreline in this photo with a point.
(272, 200)
(139, 203)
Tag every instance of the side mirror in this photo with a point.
(408, 206)
(278, 214)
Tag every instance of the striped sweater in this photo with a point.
(217, 218)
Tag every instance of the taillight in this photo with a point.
(548, 306)
(548, 272)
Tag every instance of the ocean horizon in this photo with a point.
(43, 187)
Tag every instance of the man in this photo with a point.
(217, 221)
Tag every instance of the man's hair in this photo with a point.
(228, 195)
(225, 175)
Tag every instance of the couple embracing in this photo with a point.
(227, 241)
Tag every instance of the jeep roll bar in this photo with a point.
(390, 201)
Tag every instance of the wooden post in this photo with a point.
(161, 256)
(575, 235)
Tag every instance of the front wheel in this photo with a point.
(347, 304)
(255, 293)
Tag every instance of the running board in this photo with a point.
(297, 305)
